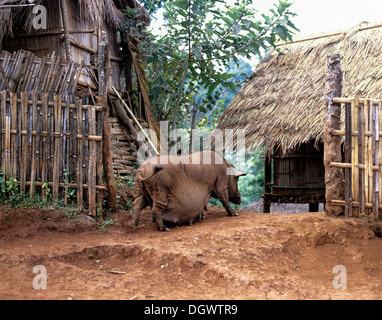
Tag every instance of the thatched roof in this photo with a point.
(283, 103)
(95, 11)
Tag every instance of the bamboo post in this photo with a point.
(79, 156)
(57, 150)
(66, 150)
(348, 153)
(375, 117)
(370, 154)
(14, 147)
(24, 139)
(99, 129)
(92, 163)
(34, 149)
(380, 155)
(361, 158)
(332, 144)
(44, 146)
(7, 144)
(2, 125)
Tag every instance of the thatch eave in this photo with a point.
(283, 103)
(96, 11)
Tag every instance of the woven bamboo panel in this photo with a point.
(362, 157)
(23, 71)
(52, 144)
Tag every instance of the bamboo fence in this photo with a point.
(362, 156)
(52, 144)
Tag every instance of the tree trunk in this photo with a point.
(103, 57)
(65, 22)
(125, 121)
(334, 178)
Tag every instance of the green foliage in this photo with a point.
(152, 6)
(251, 186)
(9, 189)
(126, 191)
(201, 39)
(199, 61)
(11, 195)
(104, 225)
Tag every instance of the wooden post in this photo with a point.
(65, 22)
(332, 144)
(103, 57)
(267, 180)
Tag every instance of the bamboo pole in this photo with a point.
(355, 204)
(136, 121)
(34, 149)
(92, 165)
(348, 152)
(361, 158)
(44, 146)
(380, 156)
(7, 142)
(375, 118)
(57, 150)
(14, 146)
(2, 135)
(24, 141)
(80, 148)
(368, 155)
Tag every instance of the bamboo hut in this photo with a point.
(282, 107)
(74, 30)
(74, 50)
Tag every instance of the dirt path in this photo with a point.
(253, 256)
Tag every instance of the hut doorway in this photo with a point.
(295, 177)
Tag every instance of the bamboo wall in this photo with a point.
(300, 172)
(362, 157)
(24, 71)
(52, 144)
(84, 40)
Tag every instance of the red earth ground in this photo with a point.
(252, 256)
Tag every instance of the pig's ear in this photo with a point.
(239, 174)
(236, 173)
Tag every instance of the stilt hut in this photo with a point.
(72, 32)
(282, 107)
(77, 48)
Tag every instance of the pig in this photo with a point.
(178, 187)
